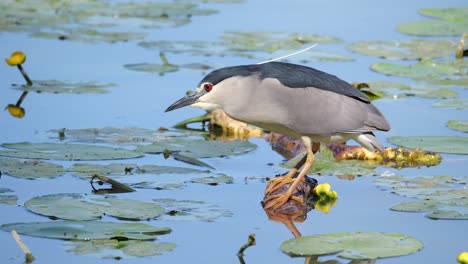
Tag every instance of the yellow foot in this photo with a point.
(277, 183)
(278, 200)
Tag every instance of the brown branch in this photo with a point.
(24, 248)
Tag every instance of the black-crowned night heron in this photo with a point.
(295, 101)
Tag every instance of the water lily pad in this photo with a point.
(199, 148)
(87, 230)
(444, 144)
(396, 90)
(127, 135)
(30, 169)
(443, 197)
(326, 164)
(433, 28)
(187, 210)
(72, 206)
(407, 50)
(112, 248)
(260, 45)
(213, 180)
(453, 209)
(457, 103)
(139, 176)
(7, 196)
(358, 245)
(93, 21)
(459, 125)
(160, 69)
(422, 69)
(448, 14)
(55, 151)
(54, 86)
(89, 35)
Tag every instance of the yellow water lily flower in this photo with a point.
(463, 258)
(323, 207)
(15, 111)
(16, 58)
(322, 189)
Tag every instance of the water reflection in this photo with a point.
(16, 110)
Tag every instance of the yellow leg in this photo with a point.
(278, 200)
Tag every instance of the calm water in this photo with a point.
(140, 99)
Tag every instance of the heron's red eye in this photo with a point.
(208, 87)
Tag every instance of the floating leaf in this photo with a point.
(186, 210)
(444, 144)
(113, 248)
(87, 230)
(407, 50)
(160, 69)
(358, 245)
(7, 196)
(453, 209)
(459, 104)
(89, 35)
(444, 197)
(128, 135)
(213, 180)
(422, 69)
(30, 169)
(433, 28)
(199, 148)
(54, 86)
(72, 206)
(139, 176)
(326, 164)
(400, 90)
(449, 14)
(458, 125)
(65, 151)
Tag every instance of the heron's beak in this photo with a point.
(184, 101)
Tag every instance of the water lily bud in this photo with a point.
(463, 258)
(16, 58)
(16, 111)
(322, 189)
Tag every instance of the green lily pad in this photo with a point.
(444, 144)
(358, 245)
(94, 21)
(30, 169)
(406, 50)
(72, 206)
(396, 90)
(54, 86)
(422, 69)
(65, 151)
(139, 176)
(448, 14)
(114, 135)
(112, 248)
(214, 180)
(259, 45)
(457, 103)
(7, 196)
(160, 69)
(199, 148)
(326, 164)
(87, 230)
(452, 209)
(433, 28)
(186, 210)
(443, 197)
(459, 125)
(89, 35)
